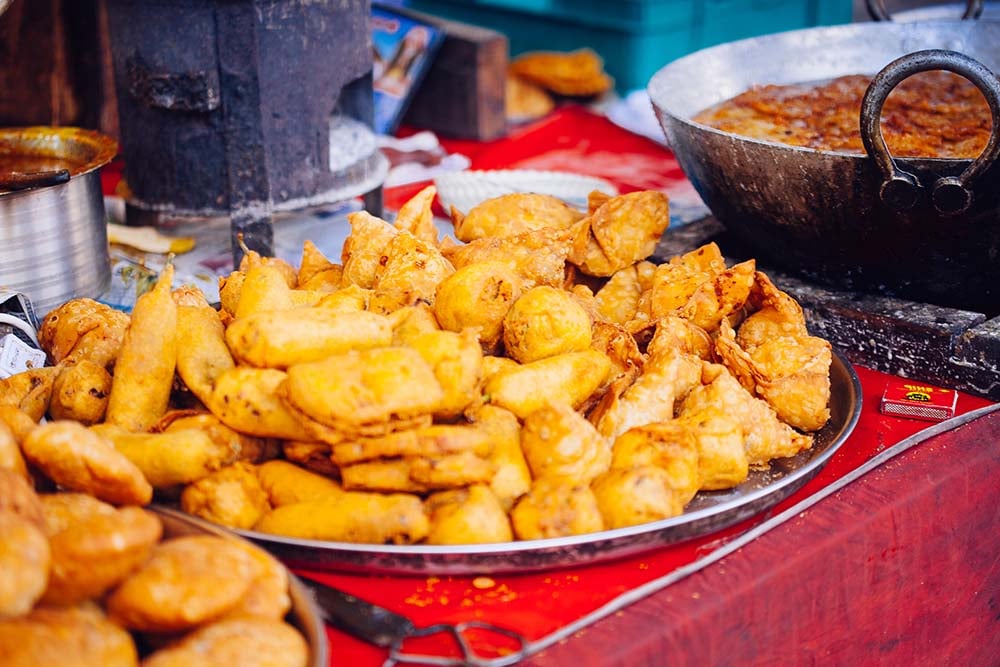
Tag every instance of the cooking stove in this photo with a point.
(244, 108)
(952, 348)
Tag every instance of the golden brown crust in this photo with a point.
(65, 636)
(186, 581)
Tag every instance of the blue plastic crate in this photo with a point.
(635, 37)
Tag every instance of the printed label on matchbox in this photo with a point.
(906, 398)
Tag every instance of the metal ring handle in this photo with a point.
(878, 12)
(900, 189)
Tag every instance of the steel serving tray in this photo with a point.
(710, 511)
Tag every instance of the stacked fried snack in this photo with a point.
(533, 78)
(83, 582)
(540, 379)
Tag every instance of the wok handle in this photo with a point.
(877, 10)
(951, 195)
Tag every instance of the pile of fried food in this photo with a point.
(540, 379)
(83, 582)
(534, 77)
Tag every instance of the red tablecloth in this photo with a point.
(538, 604)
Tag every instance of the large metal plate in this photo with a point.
(708, 512)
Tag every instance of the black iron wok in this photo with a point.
(926, 229)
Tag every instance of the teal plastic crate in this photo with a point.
(635, 37)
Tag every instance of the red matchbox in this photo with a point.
(916, 400)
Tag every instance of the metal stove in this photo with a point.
(244, 108)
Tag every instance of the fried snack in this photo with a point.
(620, 347)
(229, 293)
(525, 101)
(144, 372)
(284, 338)
(675, 282)
(577, 73)
(624, 230)
(313, 264)
(66, 636)
(545, 322)
(29, 391)
(170, 458)
(10, 453)
(19, 423)
(635, 495)
(350, 299)
(324, 281)
(363, 390)
(363, 248)
(670, 446)
(63, 510)
(472, 515)
(314, 456)
(791, 373)
(428, 442)
(492, 366)
(97, 552)
(202, 354)
(565, 378)
(651, 397)
(451, 471)
(286, 484)
(418, 474)
(80, 393)
(78, 459)
(251, 258)
(18, 497)
(512, 478)
(244, 447)
(558, 441)
(264, 288)
(247, 642)
(478, 295)
(83, 329)
(366, 518)
(185, 582)
(411, 321)
(231, 496)
(556, 507)
(24, 566)
(715, 300)
(618, 300)
(722, 459)
(765, 436)
(268, 595)
(538, 257)
(416, 217)
(679, 334)
(382, 475)
(408, 273)
(776, 315)
(457, 362)
(245, 399)
(513, 214)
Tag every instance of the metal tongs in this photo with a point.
(389, 630)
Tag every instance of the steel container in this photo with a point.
(53, 234)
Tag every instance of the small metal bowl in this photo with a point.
(52, 225)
